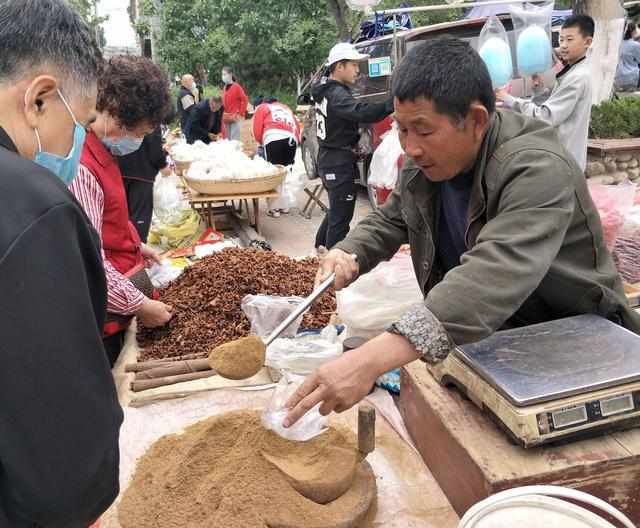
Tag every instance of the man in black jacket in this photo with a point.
(188, 98)
(338, 116)
(205, 121)
(59, 413)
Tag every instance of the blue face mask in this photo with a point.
(64, 168)
(123, 146)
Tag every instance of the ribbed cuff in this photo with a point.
(423, 330)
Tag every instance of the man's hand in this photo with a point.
(165, 172)
(149, 254)
(342, 263)
(343, 382)
(501, 93)
(154, 313)
(213, 137)
(339, 385)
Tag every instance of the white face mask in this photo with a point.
(227, 78)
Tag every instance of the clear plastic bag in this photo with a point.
(380, 297)
(289, 190)
(613, 203)
(266, 312)
(494, 48)
(304, 354)
(168, 200)
(532, 24)
(312, 424)
(383, 172)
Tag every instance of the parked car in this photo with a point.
(376, 88)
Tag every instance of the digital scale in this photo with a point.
(553, 381)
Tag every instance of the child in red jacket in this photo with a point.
(277, 131)
(235, 101)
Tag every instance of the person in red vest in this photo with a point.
(235, 102)
(276, 129)
(133, 99)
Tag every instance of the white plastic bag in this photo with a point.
(289, 190)
(161, 275)
(309, 426)
(266, 312)
(304, 354)
(377, 299)
(168, 201)
(532, 24)
(383, 172)
(494, 48)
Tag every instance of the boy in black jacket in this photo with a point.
(338, 116)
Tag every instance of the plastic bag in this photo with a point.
(380, 297)
(183, 231)
(266, 312)
(163, 274)
(493, 47)
(309, 426)
(168, 200)
(532, 24)
(626, 251)
(304, 354)
(383, 172)
(289, 190)
(613, 203)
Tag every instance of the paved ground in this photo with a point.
(294, 235)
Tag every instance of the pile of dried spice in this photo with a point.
(206, 300)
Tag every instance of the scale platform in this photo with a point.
(563, 379)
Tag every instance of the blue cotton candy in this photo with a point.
(533, 51)
(496, 54)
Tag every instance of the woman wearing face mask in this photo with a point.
(132, 101)
(234, 100)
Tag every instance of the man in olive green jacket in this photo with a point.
(502, 228)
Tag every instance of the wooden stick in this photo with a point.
(154, 363)
(366, 429)
(138, 386)
(175, 368)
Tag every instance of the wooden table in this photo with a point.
(205, 204)
(472, 459)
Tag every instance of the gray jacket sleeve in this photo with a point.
(379, 236)
(556, 109)
(512, 254)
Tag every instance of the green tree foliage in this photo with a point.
(87, 10)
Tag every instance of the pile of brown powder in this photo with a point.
(240, 359)
(215, 475)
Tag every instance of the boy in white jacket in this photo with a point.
(568, 108)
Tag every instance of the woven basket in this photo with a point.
(231, 187)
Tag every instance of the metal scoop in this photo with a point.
(243, 358)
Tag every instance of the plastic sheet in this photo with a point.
(161, 275)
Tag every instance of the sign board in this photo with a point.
(380, 67)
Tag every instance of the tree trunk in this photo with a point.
(339, 10)
(596, 8)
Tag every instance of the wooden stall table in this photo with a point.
(471, 458)
(209, 205)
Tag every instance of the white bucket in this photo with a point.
(541, 506)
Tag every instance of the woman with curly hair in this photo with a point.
(133, 99)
